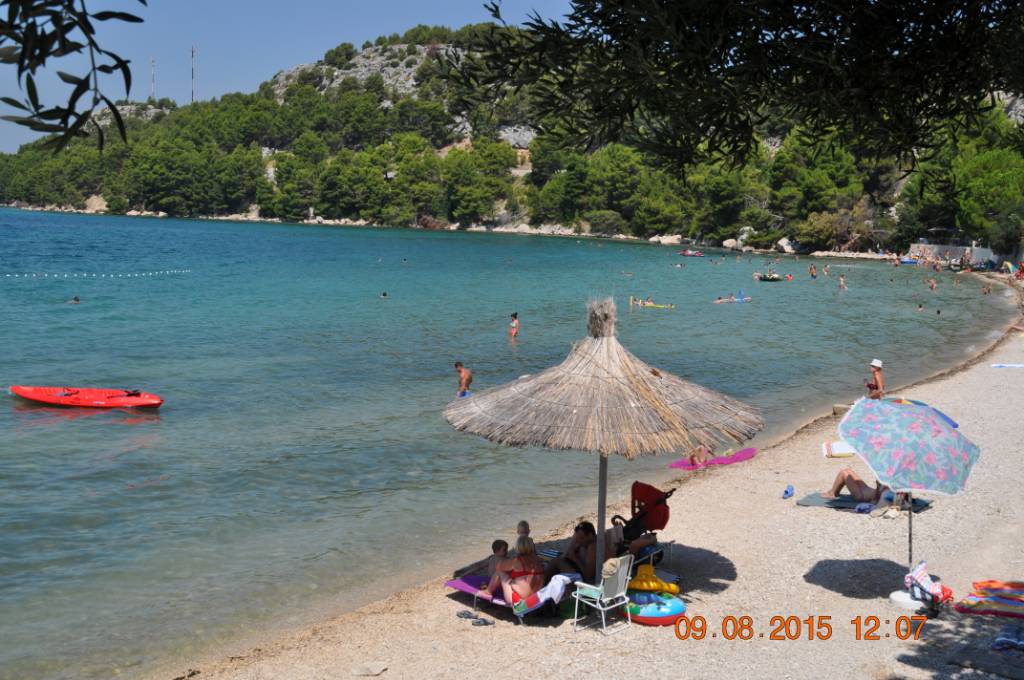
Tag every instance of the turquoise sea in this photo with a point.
(301, 464)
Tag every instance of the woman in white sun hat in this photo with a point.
(876, 386)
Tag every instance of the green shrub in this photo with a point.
(605, 222)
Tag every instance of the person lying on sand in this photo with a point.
(699, 456)
(859, 489)
(520, 576)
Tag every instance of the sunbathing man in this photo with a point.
(859, 489)
(580, 556)
(520, 576)
(574, 557)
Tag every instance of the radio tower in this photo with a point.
(152, 78)
(195, 60)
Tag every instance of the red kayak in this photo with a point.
(88, 397)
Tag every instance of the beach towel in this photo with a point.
(847, 502)
(727, 459)
(553, 591)
(1010, 637)
(838, 449)
(994, 598)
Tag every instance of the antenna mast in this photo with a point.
(195, 62)
(152, 78)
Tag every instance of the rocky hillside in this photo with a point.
(399, 67)
(396, 64)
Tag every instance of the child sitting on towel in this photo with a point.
(500, 550)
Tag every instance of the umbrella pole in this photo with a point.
(602, 496)
(910, 520)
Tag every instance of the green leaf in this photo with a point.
(117, 118)
(33, 96)
(13, 102)
(68, 78)
(119, 16)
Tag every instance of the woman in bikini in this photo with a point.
(519, 576)
(876, 387)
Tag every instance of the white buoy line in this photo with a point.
(84, 275)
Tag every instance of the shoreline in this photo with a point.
(520, 228)
(241, 658)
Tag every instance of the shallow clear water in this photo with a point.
(301, 451)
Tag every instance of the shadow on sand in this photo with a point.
(700, 570)
(859, 579)
(954, 643)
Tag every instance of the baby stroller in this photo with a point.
(650, 512)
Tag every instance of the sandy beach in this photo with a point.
(741, 550)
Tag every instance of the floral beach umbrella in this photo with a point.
(910, 447)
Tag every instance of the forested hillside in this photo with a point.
(377, 133)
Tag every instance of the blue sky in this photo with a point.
(244, 42)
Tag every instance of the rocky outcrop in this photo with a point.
(396, 64)
(731, 244)
(519, 136)
(142, 111)
(667, 239)
(784, 245)
(95, 204)
(849, 254)
(432, 223)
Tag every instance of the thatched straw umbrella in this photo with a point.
(605, 400)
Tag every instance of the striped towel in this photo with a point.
(994, 598)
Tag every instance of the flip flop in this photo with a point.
(788, 493)
(466, 614)
(483, 622)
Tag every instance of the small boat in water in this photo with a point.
(769, 277)
(85, 397)
(691, 253)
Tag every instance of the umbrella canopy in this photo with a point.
(604, 400)
(910, 446)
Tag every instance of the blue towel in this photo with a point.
(1010, 637)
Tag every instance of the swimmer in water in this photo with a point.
(513, 328)
(383, 294)
(465, 379)
(920, 307)
(74, 301)
(842, 281)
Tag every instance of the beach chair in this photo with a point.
(611, 594)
